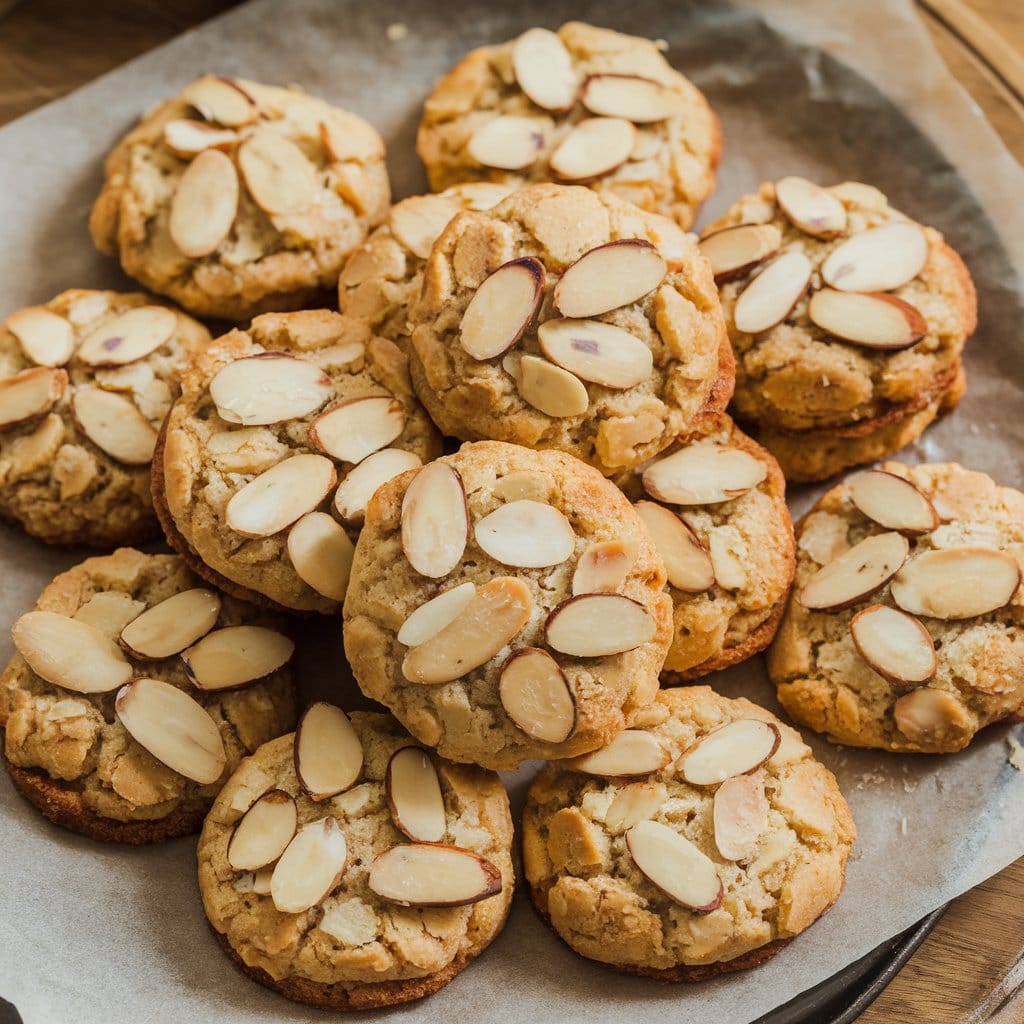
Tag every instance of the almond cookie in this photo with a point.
(236, 198)
(700, 841)
(347, 868)
(715, 507)
(904, 628)
(267, 460)
(506, 605)
(848, 320)
(85, 382)
(582, 105)
(564, 318)
(135, 692)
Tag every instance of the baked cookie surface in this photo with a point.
(131, 743)
(332, 929)
(506, 605)
(518, 335)
(236, 198)
(904, 631)
(279, 438)
(584, 105)
(700, 841)
(85, 382)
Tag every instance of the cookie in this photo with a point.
(134, 693)
(236, 198)
(715, 507)
(569, 319)
(267, 460)
(848, 321)
(349, 869)
(582, 105)
(702, 840)
(506, 605)
(85, 382)
(903, 631)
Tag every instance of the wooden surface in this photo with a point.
(971, 969)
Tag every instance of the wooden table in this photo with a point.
(970, 970)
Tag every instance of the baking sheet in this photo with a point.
(90, 933)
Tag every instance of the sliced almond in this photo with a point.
(175, 728)
(927, 715)
(129, 337)
(221, 100)
(280, 496)
(956, 583)
(771, 296)
(872, 319)
(188, 138)
(740, 816)
(70, 653)
(173, 624)
(31, 393)
(431, 875)
(509, 143)
(856, 574)
(810, 208)
(502, 308)
(264, 832)
(435, 520)
(430, 618)
(632, 752)
(204, 205)
(703, 474)
(236, 656)
(550, 389)
(536, 696)
(740, 747)
(596, 351)
(634, 802)
(877, 260)
(733, 252)
(616, 274)
(598, 625)
(310, 868)
(526, 534)
(604, 566)
(637, 99)
(495, 615)
(417, 222)
(347, 137)
(688, 564)
(892, 502)
(328, 754)
(45, 338)
(277, 173)
(358, 427)
(544, 70)
(362, 481)
(321, 554)
(114, 424)
(414, 796)
(269, 388)
(675, 866)
(595, 147)
(895, 645)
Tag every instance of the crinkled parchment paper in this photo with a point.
(90, 933)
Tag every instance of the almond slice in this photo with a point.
(347, 137)
(634, 802)
(895, 645)
(31, 393)
(544, 70)
(221, 100)
(173, 727)
(856, 574)
(877, 260)
(550, 389)
(172, 625)
(632, 752)
(615, 274)
(204, 205)
(771, 296)
(526, 534)
(892, 502)
(703, 474)
(236, 656)
(810, 208)
(277, 173)
(595, 147)
(188, 138)
(740, 816)
(925, 715)
(596, 351)
(362, 481)
(536, 696)
(431, 875)
(956, 583)
(321, 554)
(733, 252)
(114, 424)
(872, 319)
(310, 868)
(129, 337)
(358, 427)
(637, 99)
(70, 653)
(502, 308)
(280, 496)
(414, 796)
(688, 564)
(264, 832)
(327, 751)
(435, 520)
(598, 625)
(509, 143)
(432, 616)
(737, 748)
(417, 222)
(675, 866)
(46, 339)
(604, 566)
(269, 388)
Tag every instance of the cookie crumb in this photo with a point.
(1016, 757)
(903, 825)
(396, 31)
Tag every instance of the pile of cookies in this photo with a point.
(604, 528)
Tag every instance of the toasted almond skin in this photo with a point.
(604, 566)
(277, 798)
(689, 566)
(892, 553)
(245, 671)
(533, 665)
(642, 629)
(641, 840)
(264, 375)
(326, 831)
(760, 242)
(771, 296)
(351, 444)
(857, 631)
(417, 760)
(434, 543)
(238, 512)
(403, 859)
(49, 386)
(199, 608)
(607, 292)
(477, 333)
(924, 518)
(766, 734)
(362, 481)
(818, 310)
(959, 597)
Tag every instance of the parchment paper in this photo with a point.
(90, 933)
